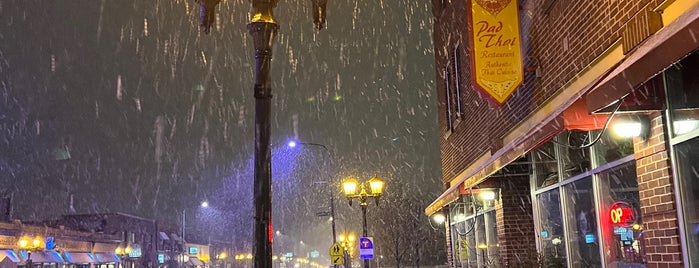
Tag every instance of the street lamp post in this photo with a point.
(123, 252)
(332, 169)
(29, 245)
(263, 28)
(204, 204)
(347, 242)
(375, 190)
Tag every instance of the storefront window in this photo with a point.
(687, 157)
(682, 85)
(464, 243)
(546, 165)
(474, 230)
(620, 218)
(551, 228)
(581, 217)
(610, 148)
(575, 160)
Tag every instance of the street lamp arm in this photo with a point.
(325, 148)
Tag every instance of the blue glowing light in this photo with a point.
(589, 238)
(292, 144)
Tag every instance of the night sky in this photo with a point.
(125, 106)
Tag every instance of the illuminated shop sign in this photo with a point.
(135, 252)
(622, 214)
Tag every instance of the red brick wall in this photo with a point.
(656, 188)
(562, 38)
(450, 248)
(515, 223)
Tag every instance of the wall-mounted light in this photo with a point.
(439, 218)
(487, 195)
(631, 126)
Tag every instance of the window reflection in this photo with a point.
(474, 230)
(620, 218)
(546, 166)
(682, 85)
(688, 175)
(574, 160)
(583, 239)
(551, 228)
(610, 148)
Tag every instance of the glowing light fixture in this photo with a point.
(487, 195)
(631, 126)
(628, 129)
(23, 242)
(439, 218)
(291, 144)
(376, 186)
(350, 186)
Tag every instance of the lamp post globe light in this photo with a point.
(123, 253)
(353, 189)
(29, 244)
(347, 240)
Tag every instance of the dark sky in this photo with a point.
(125, 106)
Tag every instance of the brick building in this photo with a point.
(543, 177)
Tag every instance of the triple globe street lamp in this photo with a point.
(351, 187)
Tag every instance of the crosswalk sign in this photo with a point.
(336, 260)
(336, 250)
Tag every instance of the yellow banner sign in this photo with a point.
(497, 58)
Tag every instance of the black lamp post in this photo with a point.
(375, 191)
(263, 29)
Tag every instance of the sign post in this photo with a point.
(366, 248)
(336, 253)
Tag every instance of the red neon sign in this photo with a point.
(623, 214)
